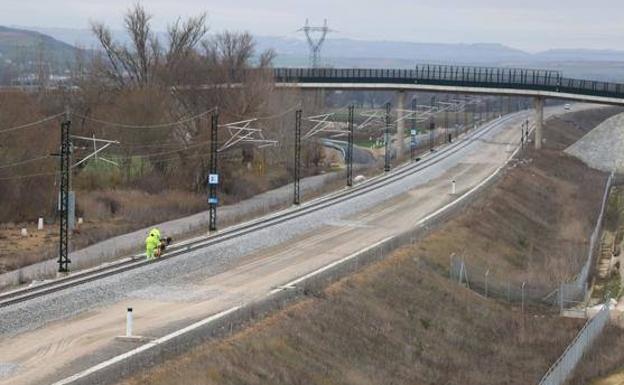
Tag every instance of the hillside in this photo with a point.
(24, 52)
(341, 52)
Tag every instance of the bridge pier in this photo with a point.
(539, 121)
(400, 123)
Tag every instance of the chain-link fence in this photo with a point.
(572, 293)
(487, 282)
(565, 365)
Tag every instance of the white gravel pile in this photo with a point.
(603, 147)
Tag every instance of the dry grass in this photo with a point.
(396, 322)
(605, 360)
(534, 225)
(106, 214)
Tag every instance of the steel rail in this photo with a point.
(133, 262)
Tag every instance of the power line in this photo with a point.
(147, 126)
(269, 117)
(31, 175)
(5, 130)
(19, 163)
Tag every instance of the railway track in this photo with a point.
(137, 261)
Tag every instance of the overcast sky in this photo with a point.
(531, 25)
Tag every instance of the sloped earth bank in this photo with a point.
(401, 321)
(534, 225)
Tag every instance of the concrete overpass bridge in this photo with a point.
(538, 84)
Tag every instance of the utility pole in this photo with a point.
(446, 119)
(432, 124)
(65, 157)
(456, 110)
(315, 44)
(413, 130)
(297, 179)
(466, 99)
(387, 140)
(213, 177)
(350, 148)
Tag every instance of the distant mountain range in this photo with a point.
(26, 47)
(586, 63)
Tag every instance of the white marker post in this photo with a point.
(40, 224)
(129, 322)
(453, 189)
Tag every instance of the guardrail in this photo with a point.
(485, 77)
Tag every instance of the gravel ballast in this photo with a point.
(603, 147)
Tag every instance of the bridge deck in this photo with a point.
(528, 82)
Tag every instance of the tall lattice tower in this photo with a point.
(316, 37)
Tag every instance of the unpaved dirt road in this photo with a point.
(54, 349)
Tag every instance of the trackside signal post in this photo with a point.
(213, 177)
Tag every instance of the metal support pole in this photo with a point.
(523, 285)
(400, 124)
(432, 124)
(350, 148)
(466, 99)
(456, 122)
(297, 165)
(413, 130)
(213, 178)
(387, 140)
(65, 155)
(446, 120)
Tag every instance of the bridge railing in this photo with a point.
(485, 77)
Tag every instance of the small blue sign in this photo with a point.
(213, 200)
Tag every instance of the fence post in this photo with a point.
(486, 282)
(508, 291)
(523, 284)
(451, 267)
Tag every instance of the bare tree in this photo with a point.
(144, 61)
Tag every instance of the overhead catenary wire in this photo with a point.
(27, 176)
(146, 126)
(31, 124)
(268, 117)
(22, 162)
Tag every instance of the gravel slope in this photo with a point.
(603, 147)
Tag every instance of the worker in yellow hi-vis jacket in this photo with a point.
(152, 244)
